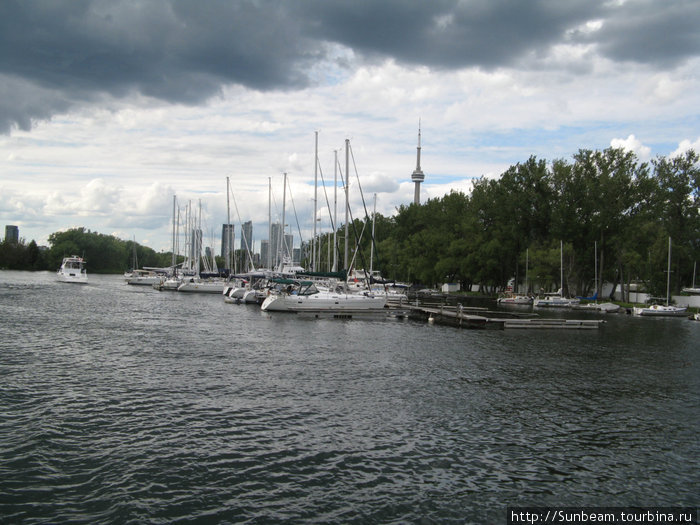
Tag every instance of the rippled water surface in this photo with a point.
(124, 404)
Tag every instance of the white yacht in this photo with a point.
(303, 296)
(72, 270)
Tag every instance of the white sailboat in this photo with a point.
(660, 310)
(692, 290)
(557, 300)
(304, 296)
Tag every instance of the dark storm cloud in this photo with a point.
(651, 31)
(58, 54)
(450, 34)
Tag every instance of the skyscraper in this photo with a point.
(246, 245)
(228, 235)
(275, 248)
(11, 233)
(247, 236)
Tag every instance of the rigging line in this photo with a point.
(364, 204)
(240, 223)
(358, 238)
(326, 195)
(328, 204)
(291, 197)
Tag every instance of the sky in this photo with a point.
(109, 108)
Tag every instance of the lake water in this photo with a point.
(122, 404)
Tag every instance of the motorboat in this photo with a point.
(169, 284)
(661, 310)
(72, 270)
(196, 285)
(510, 298)
(599, 307)
(556, 300)
(301, 296)
(143, 277)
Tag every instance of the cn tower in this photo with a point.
(417, 176)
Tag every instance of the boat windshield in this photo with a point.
(307, 289)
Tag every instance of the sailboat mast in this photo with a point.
(173, 258)
(668, 273)
(228, 228)
(314, 240)
(595, 258)
(527, 264)
(335, 212)
(198, 236)
(347, 202)
(561, 268)
(269, 222)
(280, 245)
(371, 245)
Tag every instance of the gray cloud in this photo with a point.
(55, 55)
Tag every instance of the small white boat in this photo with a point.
(195, 285)
(556, 301)
(169, 284)
(142, 277)
(660, 310)
(510, 298)
(307, 296)
(72, 270)
(599, 307)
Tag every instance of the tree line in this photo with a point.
(103, 253)
(606, 207)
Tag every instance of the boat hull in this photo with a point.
(661, 311)
(328, 302)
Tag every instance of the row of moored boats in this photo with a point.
(557, 300)
(298, 292)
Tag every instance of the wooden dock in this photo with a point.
(482, 318)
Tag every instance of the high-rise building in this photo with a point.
(288, 246)
(275, 248)
(228, 235)
(264, 253)
(247, 236)
(12, 233)
(246, 245)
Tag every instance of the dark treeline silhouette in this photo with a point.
(103, 253)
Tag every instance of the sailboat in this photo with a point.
(660, 310)
(606, 307)
(693, 290)
(512, 297)
(557, 300)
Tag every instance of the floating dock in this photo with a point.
(482, 318)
